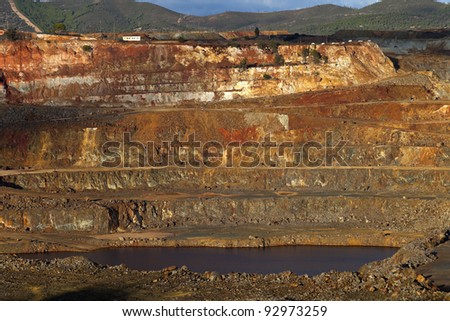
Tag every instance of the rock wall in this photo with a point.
(46, 215)
(396, 153)
(65, 71)
(396, 134)
(127, 213)
(332, 180)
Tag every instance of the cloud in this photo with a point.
(207, 7)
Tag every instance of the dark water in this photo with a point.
(309, 260)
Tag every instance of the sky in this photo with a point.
(207, 7)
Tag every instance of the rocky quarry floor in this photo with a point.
(77, 278)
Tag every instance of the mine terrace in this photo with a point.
(62, 98)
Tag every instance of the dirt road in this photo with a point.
(23, 17)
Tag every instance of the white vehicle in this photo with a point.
(131, 38)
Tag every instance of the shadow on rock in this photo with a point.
(97, 293)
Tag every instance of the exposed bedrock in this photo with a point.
(391, 172)
(401, 133)
(395, 176)
(70, 71)
(374, 212)
(408, 181)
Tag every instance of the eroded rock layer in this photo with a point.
(67, 71)
(363, 147)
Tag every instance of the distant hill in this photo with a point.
(282, 20)
(392, 15)
(128, 15)
(412, 7)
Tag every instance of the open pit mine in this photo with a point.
(107, 144)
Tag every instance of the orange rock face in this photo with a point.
(57, 175)
(68, 71)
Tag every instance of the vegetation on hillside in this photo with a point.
(9, 20)
(128, 15)
(99, 16)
